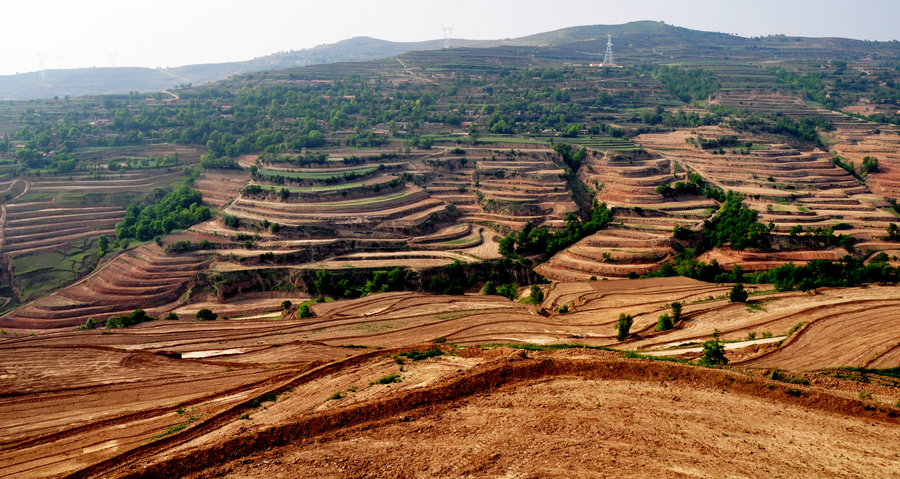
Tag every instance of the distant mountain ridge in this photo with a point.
(664, 41)
(93, 81)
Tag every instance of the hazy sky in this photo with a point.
(84, 33)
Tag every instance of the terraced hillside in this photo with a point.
(639, 240)
(50, 223)
(787, 186)
(144, 277)
(885, 146)
(421, 209)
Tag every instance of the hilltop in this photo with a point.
(668, 41)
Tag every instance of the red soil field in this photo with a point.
(171, 397)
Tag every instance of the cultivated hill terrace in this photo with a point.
(431, 157)
(221, 279)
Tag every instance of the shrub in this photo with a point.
(304, 311)
(537, 296)
(171, 316)
(490, 289)
(136, 317)
(563, 309)
(713, 352)
(509, 291)
(89, 324)
(286, 304)
(206, 314)
(623, 326)
(664, 323)
(737, 294)
(676, 312)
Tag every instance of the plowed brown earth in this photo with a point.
(121, 402)
(561, 414)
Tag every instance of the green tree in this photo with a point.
(869, 164)
(304, 311)
(103, 244)
(737, 294)
(713, 352)
(206, 314)
(676, 311)
(537, 296)
(509, 290)
(737, 225)
(623, 326)
(490, 289)
(322, 283)
(664, 323)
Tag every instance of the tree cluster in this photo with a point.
(533, 240)
(737, 225)
(176, 210)
(692, 84)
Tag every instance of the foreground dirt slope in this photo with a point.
(110, 403)
(560, 414)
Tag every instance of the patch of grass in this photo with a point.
(754, 307)
(246, 415)
(552, 347)
(317, 175)
(467, 239)
(890, 372)
(310, 189)
(793, 392)
(173, 429)
(709, 298)
(415, 355)
(865, 395)
(637, 355)
(335, 396)
(390, 378)
(779, 375)
(366, 201)
(796, 327)
(257, 401)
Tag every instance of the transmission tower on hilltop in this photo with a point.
(42, 58)
(608, 59)
(447, 32)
